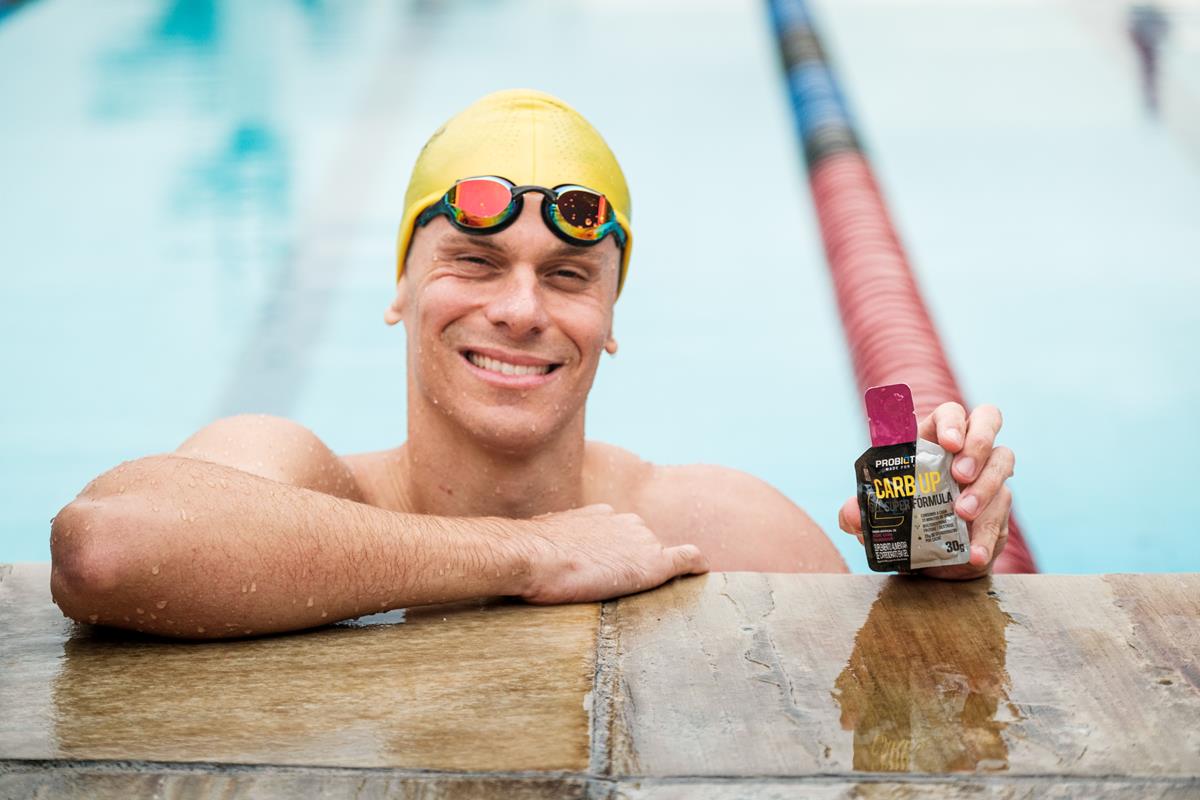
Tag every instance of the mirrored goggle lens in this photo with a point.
(582, 213)
(480, 202)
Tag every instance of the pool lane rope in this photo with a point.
(890, 334)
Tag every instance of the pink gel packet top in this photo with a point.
(905, 491)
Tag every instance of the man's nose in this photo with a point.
(518, 304)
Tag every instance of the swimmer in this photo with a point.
(513, 249)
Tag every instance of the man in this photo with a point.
(513, 249)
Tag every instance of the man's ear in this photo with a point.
(395, 310)
(610, 346)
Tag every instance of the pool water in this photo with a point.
(199, 200)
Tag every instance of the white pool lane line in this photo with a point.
(274, 361)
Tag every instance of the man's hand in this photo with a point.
(593, 553)
(980, 469)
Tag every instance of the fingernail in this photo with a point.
(968, 504)
(954, 435)
(966, 467)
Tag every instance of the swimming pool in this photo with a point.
(200, 198)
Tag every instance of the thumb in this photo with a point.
(849, 517)
(687, 558)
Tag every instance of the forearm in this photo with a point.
(176, 546)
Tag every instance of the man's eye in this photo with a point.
(570, 274)
(474, 264)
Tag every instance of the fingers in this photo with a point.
(989, 532)
(976, 497)
(982, 428)
(687, 559)
(850, 517)
(945, 426)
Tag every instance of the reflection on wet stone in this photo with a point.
(432, 687)
(925, 697)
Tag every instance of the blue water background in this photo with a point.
(198, 205)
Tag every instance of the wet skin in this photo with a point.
(253, 525)
(514, 446)
(524, 295)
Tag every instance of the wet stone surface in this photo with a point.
(443, 690)
(718, 686)
(779, 675)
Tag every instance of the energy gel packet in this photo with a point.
(905, 492)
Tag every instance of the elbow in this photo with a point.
(86, 556)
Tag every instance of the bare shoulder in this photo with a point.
(741, 522)
(275, 448)
(379, 475)
(613, 475)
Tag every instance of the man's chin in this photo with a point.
(514, 434)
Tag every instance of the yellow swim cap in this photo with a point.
(526, 136)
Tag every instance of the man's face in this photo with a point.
(505, 330)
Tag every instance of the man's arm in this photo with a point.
(741, 522)
(180, 545)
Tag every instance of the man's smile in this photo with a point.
(517, 370)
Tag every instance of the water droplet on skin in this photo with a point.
(199, 630)
(253, 587)
(244, 588)
(154, 570)
(161, 604)
(182, 514)
(140, 611)
(93, 617)
(309, 603)
(126, 619)
(154, 508)
(248, 630)
(87, 527)
(323, 615)
(154, 616)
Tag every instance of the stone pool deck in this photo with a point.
(719, 686)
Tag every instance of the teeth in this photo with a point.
(504, 368)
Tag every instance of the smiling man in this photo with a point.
(513, 249)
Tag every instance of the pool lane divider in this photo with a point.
(891, 336)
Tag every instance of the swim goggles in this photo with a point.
(488, 203)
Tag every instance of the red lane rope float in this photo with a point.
(877, 294)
